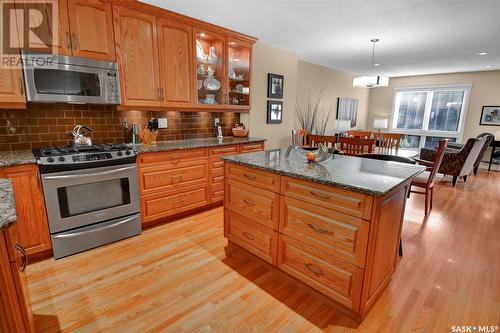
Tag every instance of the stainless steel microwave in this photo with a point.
(52, 78)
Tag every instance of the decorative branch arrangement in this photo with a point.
(307, 113)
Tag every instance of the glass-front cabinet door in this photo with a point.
(239, 72)
(210, 69)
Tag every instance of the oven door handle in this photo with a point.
(110, 172)
(75, 234)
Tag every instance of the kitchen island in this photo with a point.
(335, 225)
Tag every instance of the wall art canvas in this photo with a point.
(347, 109)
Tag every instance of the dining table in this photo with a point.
(401, 152)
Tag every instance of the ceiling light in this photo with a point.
(488, 66)
(371, 81)
(481, 53)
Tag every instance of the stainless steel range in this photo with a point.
(91, 195)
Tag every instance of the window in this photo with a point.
(425, 115)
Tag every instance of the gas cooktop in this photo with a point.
(54, 159)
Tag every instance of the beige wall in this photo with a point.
(312, 78)
(485, 91)
(300, 79)
(269, 59)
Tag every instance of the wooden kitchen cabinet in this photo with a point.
(175, 50)
(11, 89)
(91, 26)
(32, 228)
(137, 55)
(15, 305)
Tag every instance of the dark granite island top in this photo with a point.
(8, 214)
(193, 143)
(372, 177)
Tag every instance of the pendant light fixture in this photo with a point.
(371, 81)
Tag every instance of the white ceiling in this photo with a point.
(416, 36)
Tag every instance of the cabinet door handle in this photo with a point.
(158, 91)
(252, 177)
(248, 235)
(321, 196)
(313, 269)
(249, 202)
(24, 258)
(75, 41)
(318, 229)
(163, 94)
(68, 40)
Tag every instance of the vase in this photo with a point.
(212, 57)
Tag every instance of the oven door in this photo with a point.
(82, 197)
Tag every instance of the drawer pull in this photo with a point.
(251, 177)
(248, 235)
(319, 195)
(24, 256)
(176, 179)
(319, 229)
(249, 202)
(313, 269)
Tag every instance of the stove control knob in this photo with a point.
(119, 153)
(127, 152)
(62, 159)
(50, 160)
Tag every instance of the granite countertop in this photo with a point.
(8, 214)
(16, 157)
(362, 175)
(192, 143)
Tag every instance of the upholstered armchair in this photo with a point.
(489, 138)
(457, 162)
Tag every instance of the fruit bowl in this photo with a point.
(322, 153)
(240, 132)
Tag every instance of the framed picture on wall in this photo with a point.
(490, 116)
(275, 85)
(347, 109)
(274, 112)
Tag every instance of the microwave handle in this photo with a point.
(110, 172)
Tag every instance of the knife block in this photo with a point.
(148, 137)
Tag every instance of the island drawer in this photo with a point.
(162, 204)
(163, 178)
(355, 204)
(333, 277)
(251, 147)
(254, 177)
(254, 203)
(255, 238)
(223, 150)
(171, 158)
(338, 234)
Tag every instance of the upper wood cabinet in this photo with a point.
(175, 50)
(11, 89)
(32, 228)
(91, 26)
(137, 54)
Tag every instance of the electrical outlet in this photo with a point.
(216, 121)
(162, 123)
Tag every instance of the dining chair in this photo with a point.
(299, 137)
(425, 180)
(326, 140)
(359, 134)
(356, 146)
(388, 140)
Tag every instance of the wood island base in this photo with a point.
(340, 243)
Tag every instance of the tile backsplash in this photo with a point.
(50, 124)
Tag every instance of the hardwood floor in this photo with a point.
(181, 277)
